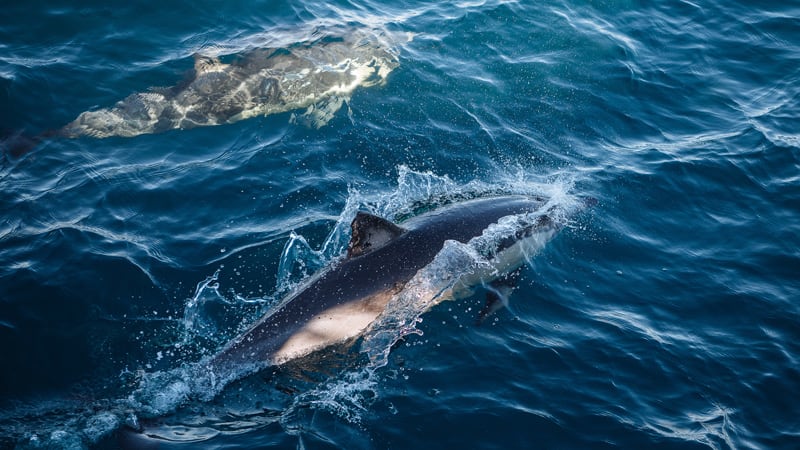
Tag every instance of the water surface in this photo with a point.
(665, 317)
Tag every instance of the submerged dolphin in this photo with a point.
(341, 302)
(318, 75)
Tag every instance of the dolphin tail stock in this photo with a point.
(16, 144)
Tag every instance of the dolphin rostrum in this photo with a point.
(342, 301)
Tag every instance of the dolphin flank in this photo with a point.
(320, 75)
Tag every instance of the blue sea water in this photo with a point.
(666, 316)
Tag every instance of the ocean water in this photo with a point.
(666, 316)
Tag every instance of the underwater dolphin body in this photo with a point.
(321, 75)
(341, 302)
(318, 76)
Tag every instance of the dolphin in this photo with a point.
(320, 75)
(317, 75)
(382, 263)
(342, 301)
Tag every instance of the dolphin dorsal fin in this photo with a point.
(203, 64)
(369, 232)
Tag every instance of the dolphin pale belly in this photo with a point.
(344, 300)
(319, 75)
